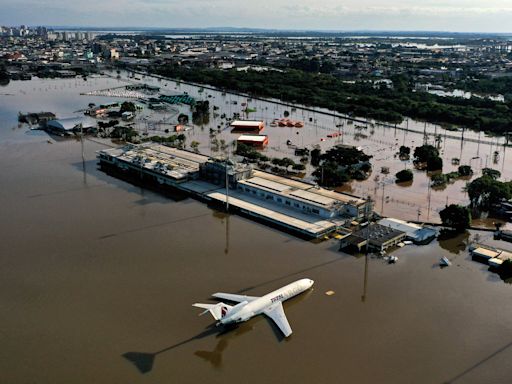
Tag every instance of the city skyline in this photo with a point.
(397, 15)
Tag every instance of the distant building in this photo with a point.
(379, 237)
(247, 126)
(71, 124)
(491, 256)
(505, 235)
(258, 141)
(414, 232)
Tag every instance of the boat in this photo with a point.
(444, 262)
(391, 259)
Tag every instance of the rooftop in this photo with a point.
(378, 234)
(246, 123)
(258, 138)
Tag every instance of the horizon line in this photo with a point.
(257, 29)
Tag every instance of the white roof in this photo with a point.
(313, 197)
(256, 138)
(400, 225)
(246, 123)
(267, 184)
(486, 253)
(70, 123)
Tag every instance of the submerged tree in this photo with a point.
(404, 175)
(457, 217)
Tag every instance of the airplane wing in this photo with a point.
(233, 297)
(276, 313)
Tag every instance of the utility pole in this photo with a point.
(227, 182)
(367, 215)
(383, 192)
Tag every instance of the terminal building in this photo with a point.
(297, 206)
(165, 165)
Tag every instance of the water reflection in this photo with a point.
(478, 364)
(215, 357)
(144, 361)
(453, 242)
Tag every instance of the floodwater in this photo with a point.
(98, 276)
(412, 201)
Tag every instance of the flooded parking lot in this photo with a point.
(98, 277)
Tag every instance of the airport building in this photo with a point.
(378, 237)
(165, 165)
(300, 207)
(247, 126)
(257, 141)
(304, 197)
(71, 124)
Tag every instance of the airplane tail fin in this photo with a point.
(218, 310)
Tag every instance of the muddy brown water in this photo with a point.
(413, 201)
(97, 278)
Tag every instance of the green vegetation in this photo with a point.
(4, 74)
(123, 133)
(128, 106)
(330, 175)
(465, 170)
(487, 85)
(430, 155)
(505, 271)
(434, 164)
(195, 146)
(173, 140)
(404, 175)
(280, 165)
(457, 217)
(486, 190)
(315, 157)
(441, 179)
(248, 152)
(201, 112)
(404, 152)
(492, 173)
(340, 164)
(182, 118)
(358, 99)
(424, 153)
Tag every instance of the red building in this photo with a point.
(258, 141)
(247, 126)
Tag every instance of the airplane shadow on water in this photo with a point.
(144, 361)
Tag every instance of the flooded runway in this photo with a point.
(98, 276)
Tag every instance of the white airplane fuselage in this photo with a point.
(245, 310)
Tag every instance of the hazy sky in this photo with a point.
(453, 15)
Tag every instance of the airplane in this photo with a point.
(249, 306)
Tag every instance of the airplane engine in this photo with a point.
(245, 317)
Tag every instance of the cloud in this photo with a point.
(312, 14)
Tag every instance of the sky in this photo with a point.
(342, 15)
